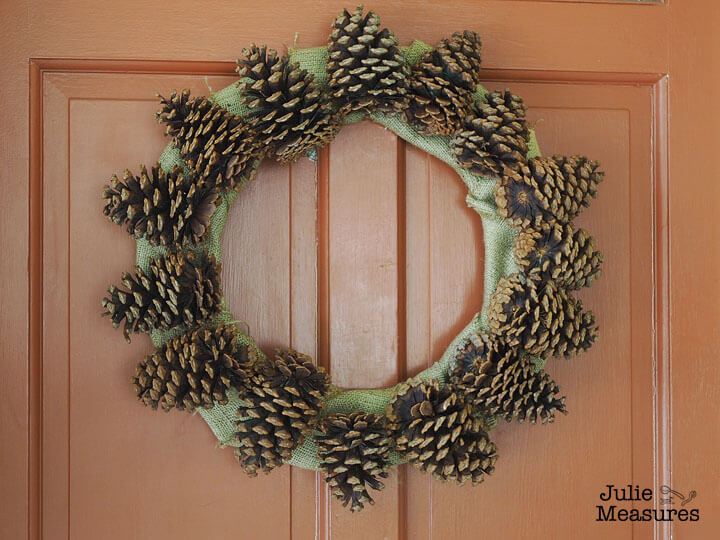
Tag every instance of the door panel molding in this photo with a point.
(626, 2)
(44, 87)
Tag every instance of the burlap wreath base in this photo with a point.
(498, 239)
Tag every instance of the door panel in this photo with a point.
(372, 258)
(368, 260)
(610, 389)
(109, 469)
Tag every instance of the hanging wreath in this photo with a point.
(281, 408)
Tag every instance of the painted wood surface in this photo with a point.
(368, 260)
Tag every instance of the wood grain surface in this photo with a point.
(369, 260)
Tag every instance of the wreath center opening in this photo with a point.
(363, 241)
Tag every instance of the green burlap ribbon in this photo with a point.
(498, 237)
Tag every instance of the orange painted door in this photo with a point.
(368, 260)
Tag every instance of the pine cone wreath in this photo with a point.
(561, 253)
(435, 431)
(289, 109)
(220, 146)
(502, 382)
(365, 67)
(193, 370)
(281, 404)
(496, 135)
(165, 208)
(354, 453)
(179, 289)
(442, 85)
(540, 318)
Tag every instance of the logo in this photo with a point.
(631, 503)
(667, 490)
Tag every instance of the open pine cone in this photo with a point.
(435, 431)
(460, 57)
(218, 145)
(540, 317)
(502, 382)
(496, 135)
(561, 253)
(546, 190)
(354, 451)
(521, 201)
(365, 67)
(581, 181)
(193, 370)
(165, 208)
(287, 106)
(281, 404)
(179, 289)
(442, 85)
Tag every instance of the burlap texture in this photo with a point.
(498, 239)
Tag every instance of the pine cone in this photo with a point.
(546, 190)
(435, 431)
(165, 208)
(290, 112)
(281, 404)
(193, 370)
(354, 451)
(442, 85)
(581, 180)
(561, 253)
(460, 58)
(179, 289)
(500, 381)
(496, 135)
(540, 318)
(220, 146)
(365, 67)
(520, 200)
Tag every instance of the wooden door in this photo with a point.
(368, 260)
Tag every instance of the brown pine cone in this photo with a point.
(435, 431)
(290, 112)
(460, 57)
(540, 318)
(502, 382)
(179, 289)
(165, 208)
(496, 135)
(193, 370)
(281, 404)
(436, 106)
(520, 199)
(354, 453)
(219, 146)
(442, 85)
(561, 253)
(581, 180)
(365, 67)
(546, 190)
